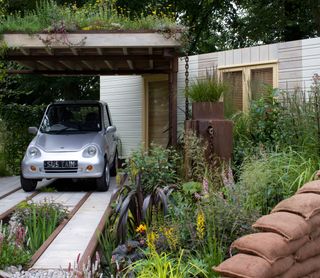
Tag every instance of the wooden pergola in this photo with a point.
(99, 53)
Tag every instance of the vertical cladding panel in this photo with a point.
(255, 53)
(207, 64)
(124, 95)
(193, 75)
(245, 56)
(237, 56)
(290, 65)
(310, 60)
(273, 51)
(229, 57)
(264, 53)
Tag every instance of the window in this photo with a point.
(234, 98)
(260, 80)
(248, 82)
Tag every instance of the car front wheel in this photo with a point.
(28, 184)
(103, 182)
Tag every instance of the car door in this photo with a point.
(110, 134)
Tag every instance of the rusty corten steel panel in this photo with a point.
(217, 133)
(207, 110)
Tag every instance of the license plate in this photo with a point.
(61, 164)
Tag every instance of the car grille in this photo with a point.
(61, 171)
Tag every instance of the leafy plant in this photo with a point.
(107, 243)
(163, 266)
(40, 221)
(191, 187)
(206, 90)
(133, 206)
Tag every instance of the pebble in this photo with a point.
(36, 273)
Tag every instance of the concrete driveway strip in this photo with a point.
(75, 237)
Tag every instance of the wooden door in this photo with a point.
(158, 113)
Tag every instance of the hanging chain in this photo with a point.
(187, 85)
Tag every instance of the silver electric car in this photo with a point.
(76, 139)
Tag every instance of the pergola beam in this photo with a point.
(72, 57)
(88, 72)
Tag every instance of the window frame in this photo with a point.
(246, 77)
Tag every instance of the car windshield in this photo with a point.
(71, 118)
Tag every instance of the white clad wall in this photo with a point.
(207, 64)
(193, 74)
(310, 60)
(124, 95)
(290, 65)
(248, 55)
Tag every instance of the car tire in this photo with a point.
(28, 184)
(114, 168)
(103, 182)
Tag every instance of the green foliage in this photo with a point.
(276, 121)
(206, 90)
(158, 167)
(40, 220)
(191, 187)
(134, 205)
(107, 243)
(199, 168)
(164, 266)
(102, 15)
(207, 228)
(3, 167)
(12, 249)
(16, 120)
(267, 180)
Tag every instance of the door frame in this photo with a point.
(145, 104)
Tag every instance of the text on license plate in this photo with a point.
(57, 164)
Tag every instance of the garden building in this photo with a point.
(140, 104)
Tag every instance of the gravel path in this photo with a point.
(14, 272)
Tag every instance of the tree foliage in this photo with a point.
(216, 25)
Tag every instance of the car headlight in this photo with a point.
(34, 152)
(90, 151)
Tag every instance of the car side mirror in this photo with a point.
(111, 129)
(32, 130)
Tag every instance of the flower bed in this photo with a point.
(26, 230)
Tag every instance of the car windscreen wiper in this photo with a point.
(68, 128)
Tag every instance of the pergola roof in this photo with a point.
(92, 53)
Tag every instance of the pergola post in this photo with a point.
(173, 123)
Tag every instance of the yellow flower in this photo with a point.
(141, 228)
(171, 237)
(200, 224)
(87, 28)
(151, 239)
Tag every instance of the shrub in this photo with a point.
(158, 168)
(16, 120)
(3, 167)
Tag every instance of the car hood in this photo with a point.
(65, 142)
